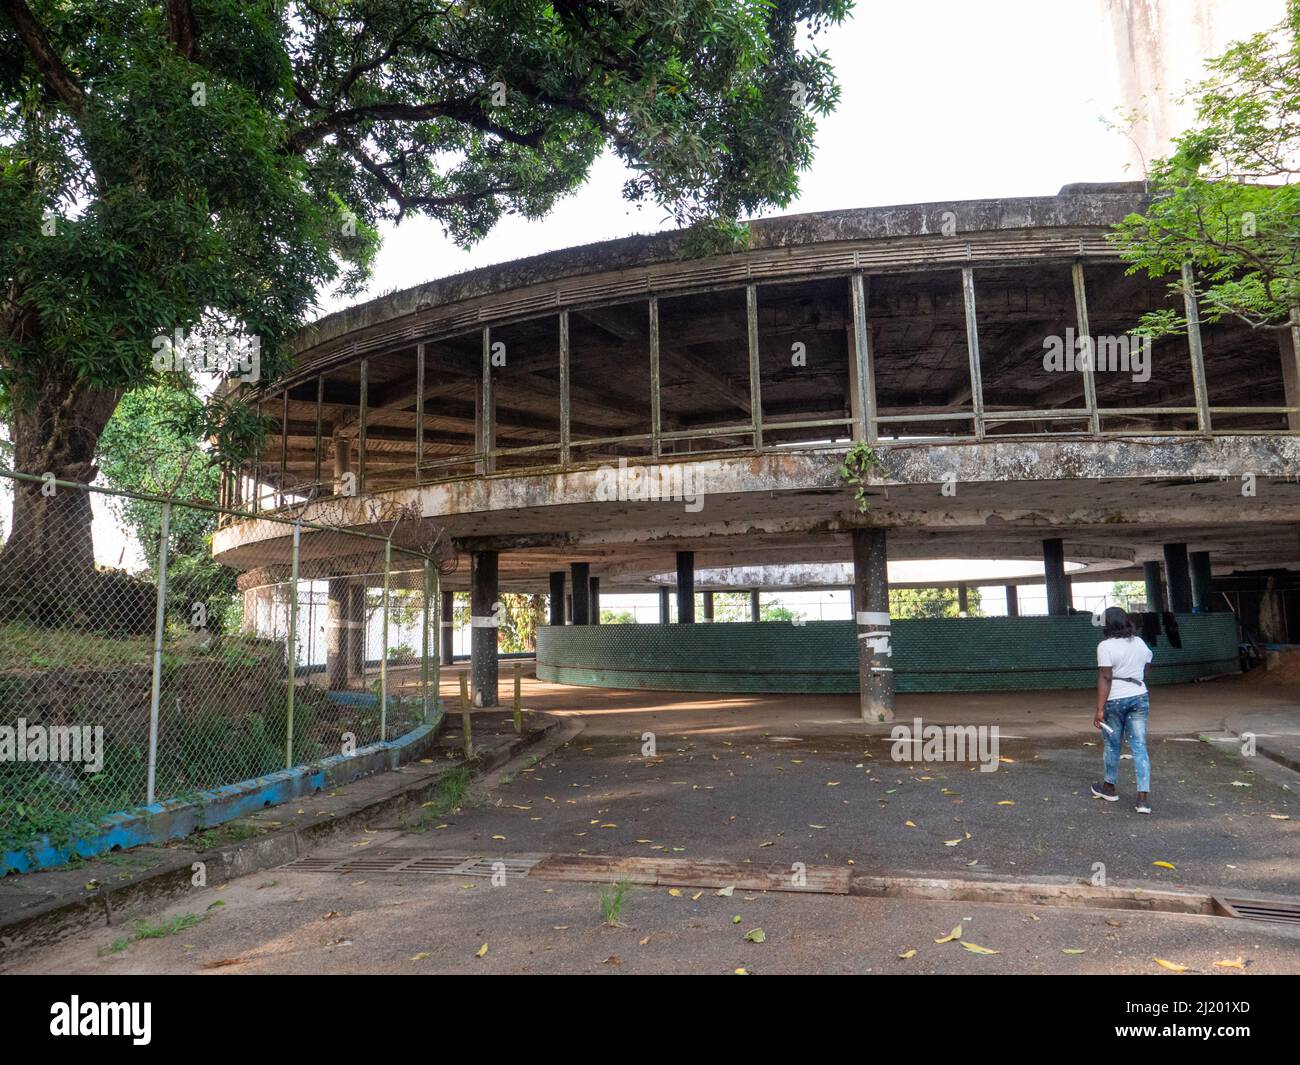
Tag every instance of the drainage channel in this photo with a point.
(1259, 910)
(704, 873)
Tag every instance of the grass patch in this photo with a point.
(612, 900)
(145, 929)
(221, 836)
(454, 791)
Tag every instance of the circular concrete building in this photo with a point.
(616, 418)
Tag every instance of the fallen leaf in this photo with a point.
(1172, 966)
(1072, 950)
(1164, 865)
(675, 892)
(741, 972)
(908, 954)
(725, 892)
(613, 959)
(909, 824)
(1006, 802)
(415, 957)
(1236, 963)
(975, 948)
(756, 935)
(954, 934)
(642, 942)
(481, 951)
(696, 896)
(236, 961)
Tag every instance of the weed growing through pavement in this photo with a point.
(612, 900)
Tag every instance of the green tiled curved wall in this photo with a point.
(930, 655)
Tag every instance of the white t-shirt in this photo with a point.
(1126, 657)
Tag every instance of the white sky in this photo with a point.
(941, 100)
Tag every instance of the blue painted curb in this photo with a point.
(177, 818)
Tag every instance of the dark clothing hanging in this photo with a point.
(1150, 626)
(1171, 629)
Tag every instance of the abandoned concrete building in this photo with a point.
(619, 418)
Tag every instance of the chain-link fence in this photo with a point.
(170, 672)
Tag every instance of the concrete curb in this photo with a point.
(68, 914)
(1058, 892)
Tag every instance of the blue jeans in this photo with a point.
(1128, 718)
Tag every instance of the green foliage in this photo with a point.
(861, 464)
(617, 617)
(930, 602)
(218, 173)
(1226, 200)
(1126, 592)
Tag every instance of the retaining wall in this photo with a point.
(929, 655)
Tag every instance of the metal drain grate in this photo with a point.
(1260, 910)
(427, 864)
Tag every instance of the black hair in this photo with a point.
(1117, 624)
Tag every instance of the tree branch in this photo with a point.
(58, 78)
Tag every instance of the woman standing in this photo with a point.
(1123, 705)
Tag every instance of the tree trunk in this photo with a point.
(48, 559)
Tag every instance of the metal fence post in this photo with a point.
(383, 647)
(519, 715)
(424, 641)
(464, 716)
(291, 649)
(159, 619)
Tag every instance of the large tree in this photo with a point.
(1226, 200)
(211, 164)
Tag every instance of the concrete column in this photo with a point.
(963, 600)
(557, 597)
(568, 609)
(1179, 578)
(686, 587)
(342, 461)
(448, 627)
(875, 652)
(1013, 601)
(708, 605)
(581, 574)
(355, 631)
(1155, 587)
(483, 634)
(664, 614)
(595, 600)
(755, 605)
(339, 632)
(1058, 591)
(1202, 580)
